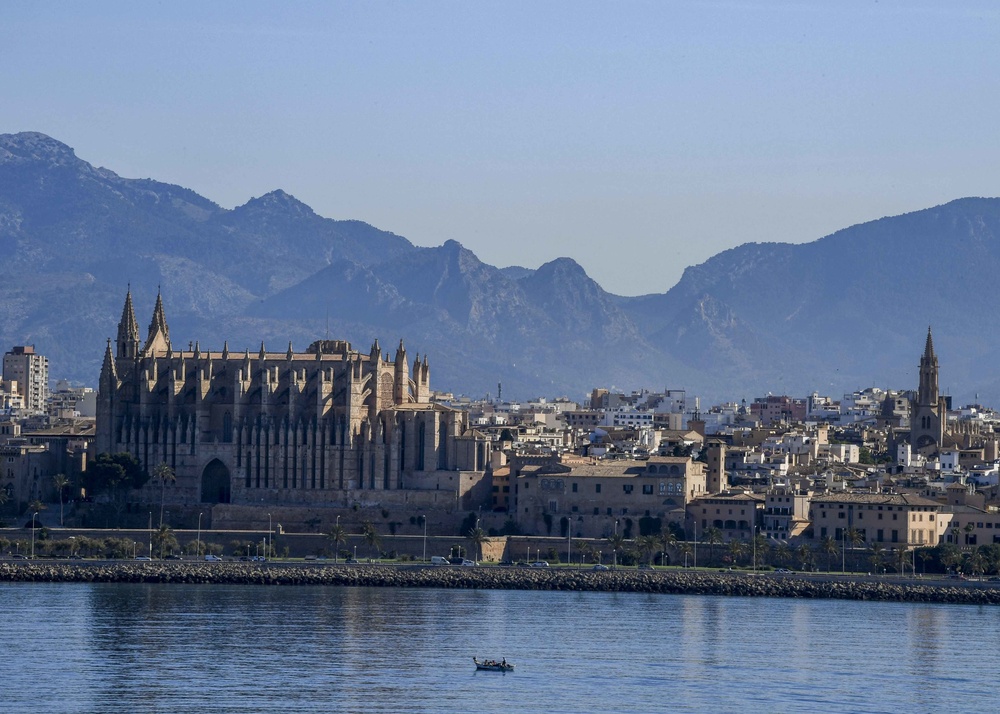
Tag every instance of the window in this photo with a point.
(597, 488)
(647, 489)
(627, 488)
(574, 487)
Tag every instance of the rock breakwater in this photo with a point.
(672, 582)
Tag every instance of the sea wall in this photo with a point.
(638, 581)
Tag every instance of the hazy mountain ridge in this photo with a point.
(839, 313)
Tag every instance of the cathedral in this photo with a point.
(326, 427)
(928, 415)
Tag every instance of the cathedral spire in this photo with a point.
(127, 343)
(929, 347)
(158, 338)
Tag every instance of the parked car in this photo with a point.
(599, 566)
(213, 558)
(469, 563)
(142, 557)
(540, 564)
(783, 571)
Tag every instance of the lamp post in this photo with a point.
(336, 545)
(615, 561)
(150, 535)
(33, 534)
(267, 555)
(695, 562)
(135, 545)
(753, 539)
(197, 543)
(355, 554)
(569, 541)
(424, 517)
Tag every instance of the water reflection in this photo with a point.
(127, 648)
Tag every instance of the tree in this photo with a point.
(616, 541)
(371, 536)
(714, 537)
(36, 506)
(736, 549)
(115, 475)
(783, 553)
(686, 551)
(163, 474)
(477, 536)
(338, 536)
(647, 545)
(877, 553)
(165, 540)
(60, 482)
(829, 548)
(805, 555)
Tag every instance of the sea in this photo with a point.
(108, 648)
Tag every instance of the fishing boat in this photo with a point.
(492, 665)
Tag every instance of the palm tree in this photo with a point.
(924, 554)
(163, 473)
(736, 549)
(714, 537)
(876, 556)
(371, 536)
(805, 556)
(783, 553)
(60, 482)
(669, 539)
(686, 550)
(338, 536)
(829, 548)
(34, 508)
(616, 541)
(477, 536)
(164, 539)
(647, 545)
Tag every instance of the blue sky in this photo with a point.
(637, 138)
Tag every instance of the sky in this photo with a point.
(637, 138)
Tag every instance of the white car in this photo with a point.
(213, 559)
(540, 564)
(469, 563)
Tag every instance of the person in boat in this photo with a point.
(504, 663)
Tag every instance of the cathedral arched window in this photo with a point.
(227, 427)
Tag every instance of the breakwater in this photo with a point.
(669, 582)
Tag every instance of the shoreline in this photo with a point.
(733, 584)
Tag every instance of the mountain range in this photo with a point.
(846, 311)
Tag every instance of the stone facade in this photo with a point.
(328, 426)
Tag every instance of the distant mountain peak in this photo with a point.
(277, 200)
(33, 146)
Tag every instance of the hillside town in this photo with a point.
(237, 440)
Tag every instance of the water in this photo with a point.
(178, 648)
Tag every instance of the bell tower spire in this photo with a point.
(127, 342)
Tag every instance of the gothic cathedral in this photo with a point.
(328, 426)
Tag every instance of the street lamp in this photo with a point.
(355, 554)
(425, 537)
(150, 535)
(33, 534)
(615, 561)
(267, 555)
(336, 544)
(197, 543)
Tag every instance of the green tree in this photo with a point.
(115, 475)
(829, 547)
(338, 536)
(877, 555)
(60, 482)
(736, 549)
(616, 541)
(805, 555)
(783, 553)
(714, 537)
(371, 536)
(647, 545)
(477, 536)
(163, 474)
(164, 541)
(35, 506)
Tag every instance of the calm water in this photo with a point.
(178, 648)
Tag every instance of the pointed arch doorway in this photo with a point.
(215, 483)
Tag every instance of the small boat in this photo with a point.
(492, 665)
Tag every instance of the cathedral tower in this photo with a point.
(927, 415)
